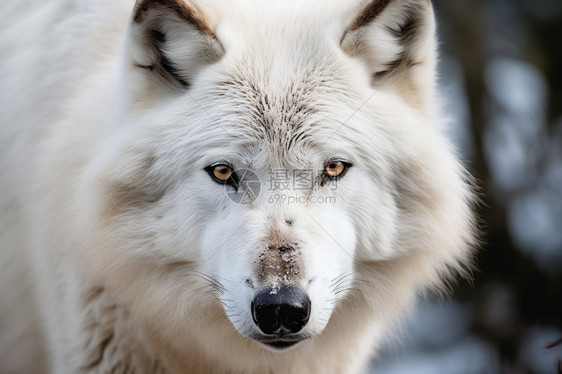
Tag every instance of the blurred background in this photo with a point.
(501, 75)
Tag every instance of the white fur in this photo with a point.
(111, 228)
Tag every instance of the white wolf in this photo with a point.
(131, 137)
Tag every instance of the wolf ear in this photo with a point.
(172, 40)
(392, 38)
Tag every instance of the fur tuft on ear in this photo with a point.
(172, 39)
(392, 37)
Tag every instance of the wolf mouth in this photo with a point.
(280, 344)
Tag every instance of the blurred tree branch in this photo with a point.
(536, 294)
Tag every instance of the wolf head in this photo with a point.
(271, 162)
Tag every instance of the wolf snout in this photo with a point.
(281, 310)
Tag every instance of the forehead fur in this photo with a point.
(285, 85)
(282, 59)
(280, 110)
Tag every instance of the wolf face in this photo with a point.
(326, 122)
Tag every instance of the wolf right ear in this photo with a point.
(172, 40)
(394, 39)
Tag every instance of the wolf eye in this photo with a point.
(220, 173)
(335, 169)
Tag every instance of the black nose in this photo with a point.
(280, 311)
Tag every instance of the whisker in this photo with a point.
(341, 277)
(212, 280)
(345, 289)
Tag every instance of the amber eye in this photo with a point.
(335, 169)
(222, 172)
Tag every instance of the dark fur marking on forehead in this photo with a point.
(282, 120)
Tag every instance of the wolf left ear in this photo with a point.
(172, 40)
(393, 38)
